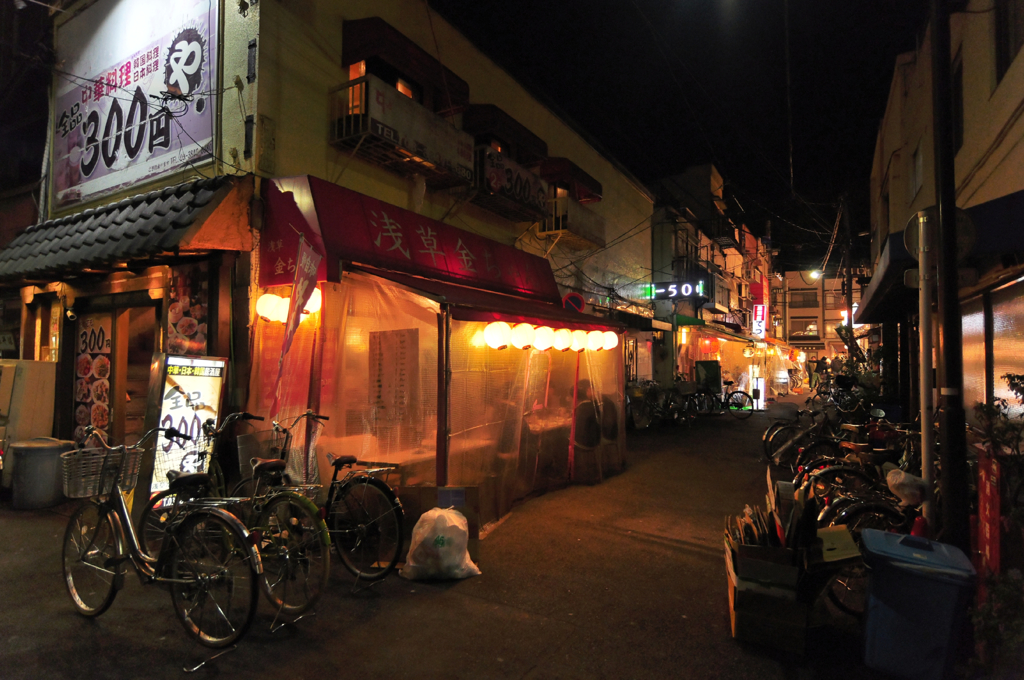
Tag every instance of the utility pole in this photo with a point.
(952, 423)
(848, 288)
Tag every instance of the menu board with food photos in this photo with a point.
(192, 388)
(186, 309)
(92, 373)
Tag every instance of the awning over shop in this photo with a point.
(473, 304)
(683, 320)
(998, 225)
(207, 214)
(714, 329)
(349, 227)
(638, 322)
(886, 298)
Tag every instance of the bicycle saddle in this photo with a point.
(180, 479)
(268, 465)
(341, 461)
(727, 382)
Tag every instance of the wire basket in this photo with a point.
(92, 472)
(262, 444)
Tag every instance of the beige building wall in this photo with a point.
(990, 164)
(300, 61)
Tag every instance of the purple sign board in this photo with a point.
(135, 98)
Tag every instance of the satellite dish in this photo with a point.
(966, 234)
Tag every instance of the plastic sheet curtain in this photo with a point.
(1007, 343)
(379, 377)
(267, 338)
(973, 325)
(511, 414)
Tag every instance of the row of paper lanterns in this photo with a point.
(499, 335)
(275, 308)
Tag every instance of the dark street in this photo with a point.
(620, 580)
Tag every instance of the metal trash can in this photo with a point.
(918, 595)
(38, 478)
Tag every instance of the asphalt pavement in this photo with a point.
(624, 579)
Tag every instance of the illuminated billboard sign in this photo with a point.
(134, 95)
(672, 290)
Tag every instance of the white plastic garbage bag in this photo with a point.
(909, 488)
(439, 547)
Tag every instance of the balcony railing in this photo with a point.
(508, 189)
(575, 225)
(380, 125)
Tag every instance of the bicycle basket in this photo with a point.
(262, 444)
(636, 390)
(185, 456)
(91, 472)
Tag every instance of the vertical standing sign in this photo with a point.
(759, 318)
(305, 281)
(92, 374)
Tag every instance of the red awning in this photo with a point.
(345, 225)
(473, 304)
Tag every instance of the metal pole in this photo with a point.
(924, 248)
(444, 381)
(955, 498)
(849, 271)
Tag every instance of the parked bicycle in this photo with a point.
(207, 557)
(364, 516)
(736, 402)
(647, 402)
(291, 535)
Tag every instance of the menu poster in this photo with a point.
(92, 374)
(186, 309)
(395, 377)
(202, 381)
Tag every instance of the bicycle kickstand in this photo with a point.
(192, 669)
(275, 626)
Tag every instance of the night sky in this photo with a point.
(666, 84)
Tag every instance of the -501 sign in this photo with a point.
(663, 290)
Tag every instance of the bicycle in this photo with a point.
(291, 534)
(364, 516)
(647, 402)
(207, 558)
(738, 403)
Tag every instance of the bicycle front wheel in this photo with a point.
(92, 573)
(295, 550)
(213, 579)
(740, 404)
(366, 527)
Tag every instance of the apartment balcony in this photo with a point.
(378, 124)
(574, 225)
(507, 189)
(722, 231)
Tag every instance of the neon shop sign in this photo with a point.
(665, 290)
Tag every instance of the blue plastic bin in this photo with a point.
(918, 595)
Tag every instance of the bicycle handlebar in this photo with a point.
(308, 414)
(169, 433)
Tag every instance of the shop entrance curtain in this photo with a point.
(377, 344)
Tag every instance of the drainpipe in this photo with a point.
(444, 381)
(955, 523)
(924, 261)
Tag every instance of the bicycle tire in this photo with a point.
(767, 435)
(295, 550)
(847, 590)
(215, 590)
(782, 446)
(156, 517)
(705, 403)
(89, 545)
(740, 405)
(822, 448)
(689, 410)
(640, 413)
(365, 519)
(218, 484)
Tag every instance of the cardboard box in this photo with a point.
(765, 619)
(778, 567)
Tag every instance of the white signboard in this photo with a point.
(191, 394)
(760, 312)
(134, 93)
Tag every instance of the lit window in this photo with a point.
(405, 88)
(356, 70)
(496, 145)
(357, 93)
